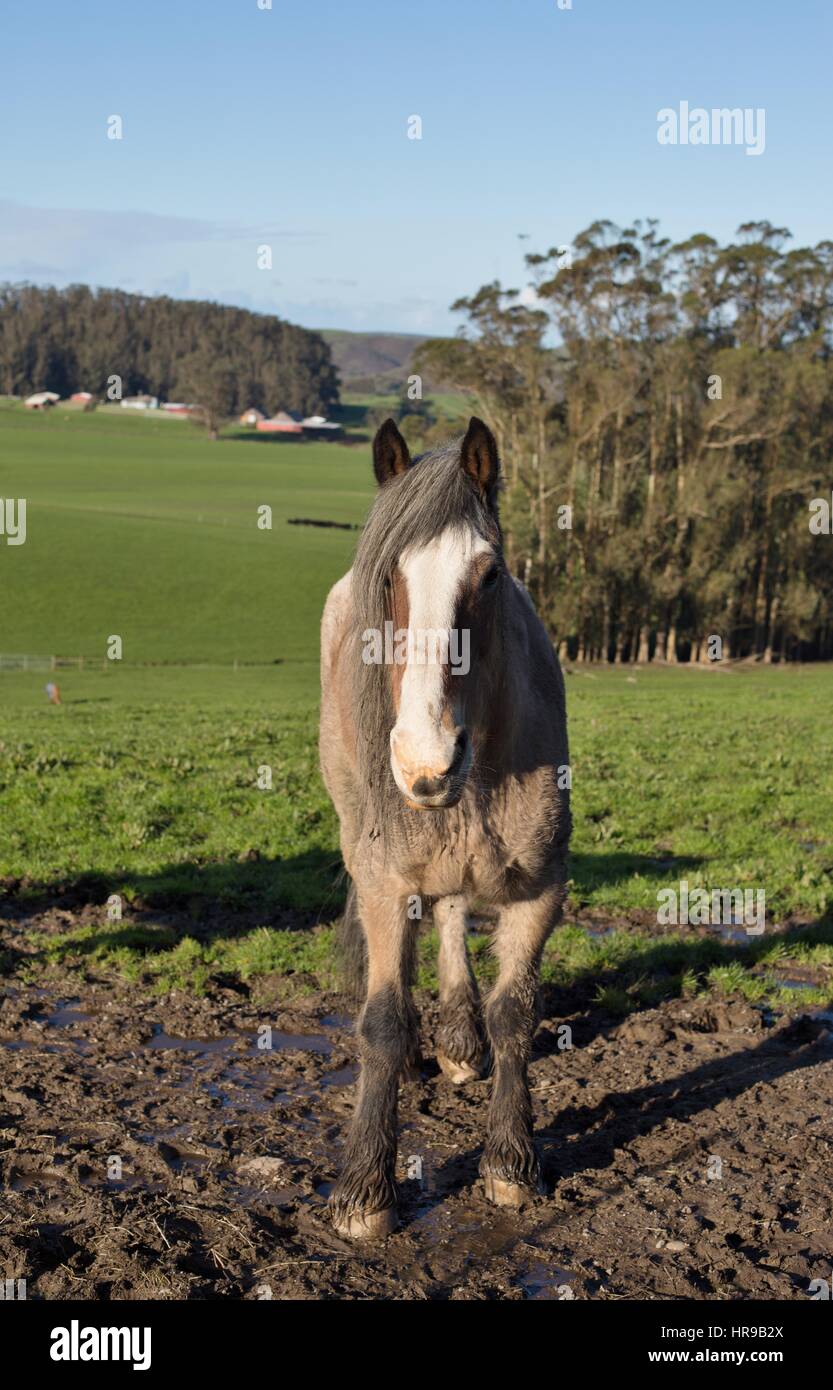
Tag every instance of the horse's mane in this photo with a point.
(431, 495)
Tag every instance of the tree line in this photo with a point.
(665, 414)
(226, 359)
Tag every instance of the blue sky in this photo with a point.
(288, 127)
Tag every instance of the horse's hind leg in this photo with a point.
(510, 1166)
(460, 1046)
(364, 1199)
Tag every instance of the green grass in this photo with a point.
(144, 528)
(144, 783)
(357, 407)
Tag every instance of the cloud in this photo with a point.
(66, 243)
(194, 258)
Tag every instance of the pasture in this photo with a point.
(137, 1035)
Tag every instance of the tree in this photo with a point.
(677, 403)
(211, 385)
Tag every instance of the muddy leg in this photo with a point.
(460, 1047)
(364, 1199)
(510, 1166)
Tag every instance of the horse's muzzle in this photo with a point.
(438, 791)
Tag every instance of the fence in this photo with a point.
(10, 661)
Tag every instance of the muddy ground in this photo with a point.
(150, 1148)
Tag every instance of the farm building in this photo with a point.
(282, 423)
(141, 403)
(318, 427)
(81, 397)
(41, 400)
(252, 416)
(177, 408)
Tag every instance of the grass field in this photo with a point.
(145, 782)
(143, 528)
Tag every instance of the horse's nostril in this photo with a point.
(424, 786)
(432, 786)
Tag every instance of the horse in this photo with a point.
(451, 783)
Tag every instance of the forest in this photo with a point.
(78, 338)
(665, 415)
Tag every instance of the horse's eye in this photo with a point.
(491, 577)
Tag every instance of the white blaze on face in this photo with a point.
(421, 744)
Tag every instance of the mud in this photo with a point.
(157, 1148)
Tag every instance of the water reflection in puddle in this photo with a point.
(66, 1013)
(543, 1281)
(168, 1041)
(280, 1042)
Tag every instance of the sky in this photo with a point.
(245, 125)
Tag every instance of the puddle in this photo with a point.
(784, 982)
(162, 1042)
(66, 1014)
(129, 1183)
(335, 1080)
(452, 1245)
(546, 1282)
(281, 1042)
(298, 1042)
(735, 934)
(345, 1076)
(27, 1045)
(337, 1021)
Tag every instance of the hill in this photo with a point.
(372, 361)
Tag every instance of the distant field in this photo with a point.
(144, 528)
(356, 406)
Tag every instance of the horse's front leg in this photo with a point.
(460, 1046)
(364, 1198)
(510, 1165)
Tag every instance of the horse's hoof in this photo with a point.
(458, 1072)
(362, 1225)
(509, 1194)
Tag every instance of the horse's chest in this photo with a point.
(470, 860)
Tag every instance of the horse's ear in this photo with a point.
(390, 453)
(478, 456)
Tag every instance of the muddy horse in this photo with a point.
(444, 748)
